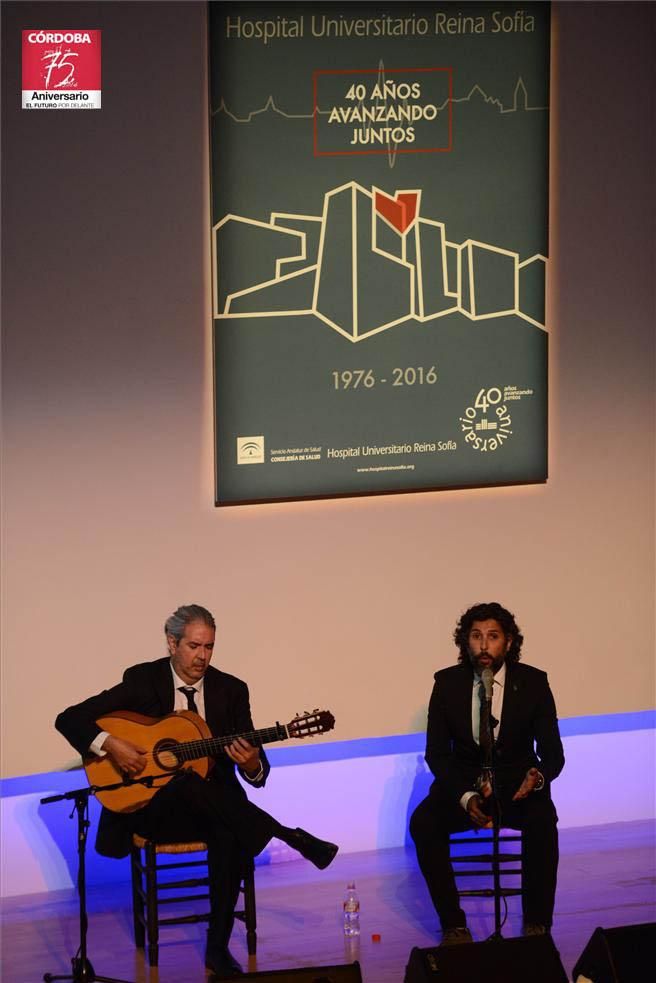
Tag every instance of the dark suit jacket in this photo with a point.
(148, 689)
(528, 734)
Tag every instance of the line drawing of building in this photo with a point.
(368, 263)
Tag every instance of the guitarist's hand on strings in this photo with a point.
(129, 758)
(244, 755)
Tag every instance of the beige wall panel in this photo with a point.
(108, 521)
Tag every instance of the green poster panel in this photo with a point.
(379, 207)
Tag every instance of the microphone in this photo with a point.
(487, 677)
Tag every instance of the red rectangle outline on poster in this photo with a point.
(375, 71)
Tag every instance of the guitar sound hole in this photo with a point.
(165, 755)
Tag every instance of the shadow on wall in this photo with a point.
(60, 821)
(402, 794)
(29, 850)
(422, 782)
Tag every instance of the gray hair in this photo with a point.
(176, 624)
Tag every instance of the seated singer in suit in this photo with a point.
(216, 809)
(529, 755)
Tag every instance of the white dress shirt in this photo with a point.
(180, 701)
(497, 702)
(497, 705)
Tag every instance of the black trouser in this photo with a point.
(219, 814)
(434, 820)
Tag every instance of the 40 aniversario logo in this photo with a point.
(61, 69)
(487, 423)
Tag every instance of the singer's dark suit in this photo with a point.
(216, 810)
(528, 737)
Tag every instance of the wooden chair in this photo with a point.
(149, 892)
(479, 864)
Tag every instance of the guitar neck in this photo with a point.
(189, 750)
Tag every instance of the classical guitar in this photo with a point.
(175, 742)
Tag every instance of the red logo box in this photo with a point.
(61, 68)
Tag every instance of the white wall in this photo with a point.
(108, 521)
(360, 803)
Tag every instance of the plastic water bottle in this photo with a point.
(351, 911)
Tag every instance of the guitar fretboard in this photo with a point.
(188, 750)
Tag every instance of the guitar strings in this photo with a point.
(200, 746)
(189, 750)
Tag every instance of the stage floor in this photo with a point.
(607, 878)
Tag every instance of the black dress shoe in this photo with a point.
(221, 962)
(321, 853)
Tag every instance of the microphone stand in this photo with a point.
(82, 970)
(490, 768)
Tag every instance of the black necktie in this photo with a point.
(484, 723)
(190, 693)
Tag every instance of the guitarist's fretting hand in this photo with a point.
(128, 757)
(244, 755)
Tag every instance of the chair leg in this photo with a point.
(137, 899)
(146, 912)
(151, 903)
(250, 919)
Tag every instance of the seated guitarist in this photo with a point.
(216, 809)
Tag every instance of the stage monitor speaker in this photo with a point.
(618, 955)
(500, 961)
(310, 974)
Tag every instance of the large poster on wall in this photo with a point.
(379, 182)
